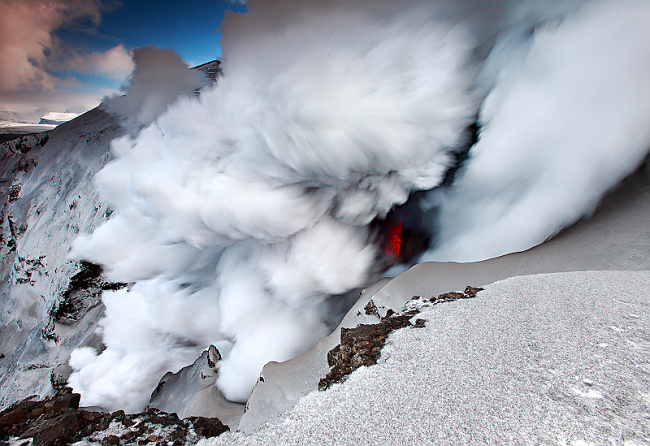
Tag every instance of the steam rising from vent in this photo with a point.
(243, 214)
(568, 119)
(242, 211)
(159, 77)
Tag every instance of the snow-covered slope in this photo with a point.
(48, 198)
(541, 359)
(50, 301)
(615, 238)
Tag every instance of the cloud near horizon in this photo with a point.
(30, 50)
(116, 62)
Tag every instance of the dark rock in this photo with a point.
(361, 346)
(111, 440)
(371, 309)
(14, 192)
(37, 412)
(13, 417)
(208, 427)
(445, 297)
(55, 430)
(61, 401)
(60, 374)
(471, 291)
(58, 421)
(419, 323)
(84, 290)
(178, 433)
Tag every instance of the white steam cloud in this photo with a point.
(159, 78)
(248, 206)
(568, 119)
(240, 213)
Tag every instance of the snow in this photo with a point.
(56, 199)
(23, 127)
(57, 118)
(615, 238)
(540, 359)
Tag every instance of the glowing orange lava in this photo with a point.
(394, 240)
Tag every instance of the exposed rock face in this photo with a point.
(211, 69)
(86, 285)
(192, 391)
(47, 197)
(59, 421)
(361, 346)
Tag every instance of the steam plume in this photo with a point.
(567, 121)
(249, 205)
(243, 211)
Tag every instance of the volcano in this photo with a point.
(244, 217)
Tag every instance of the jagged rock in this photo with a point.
(14, 417)
(58, 421)
(59, 377)
(53, 431)
(471, 291)
(361, 345)
(84, 291)
(62, 401)
(208, 427)
(192, 391)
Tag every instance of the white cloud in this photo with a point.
(116, 63)
(26, 40)
(29, 49)
(159, 78)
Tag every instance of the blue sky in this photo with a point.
(65, 55)
(189, 27)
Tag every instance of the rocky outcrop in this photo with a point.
(361, 346)
(84, 289)
(192, 391)
(59, 421)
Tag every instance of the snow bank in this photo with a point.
(543, 359)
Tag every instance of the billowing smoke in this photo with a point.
(159, 78)
(568, 119)
(244, 212)
(241, 211)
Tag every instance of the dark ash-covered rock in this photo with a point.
(59, 421)
(361, 346)
(84, 289)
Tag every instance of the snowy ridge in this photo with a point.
(540, 359)
(49, 198)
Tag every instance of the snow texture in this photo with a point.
(48, 198)
(543, 359)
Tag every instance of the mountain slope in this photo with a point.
(48, 199)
